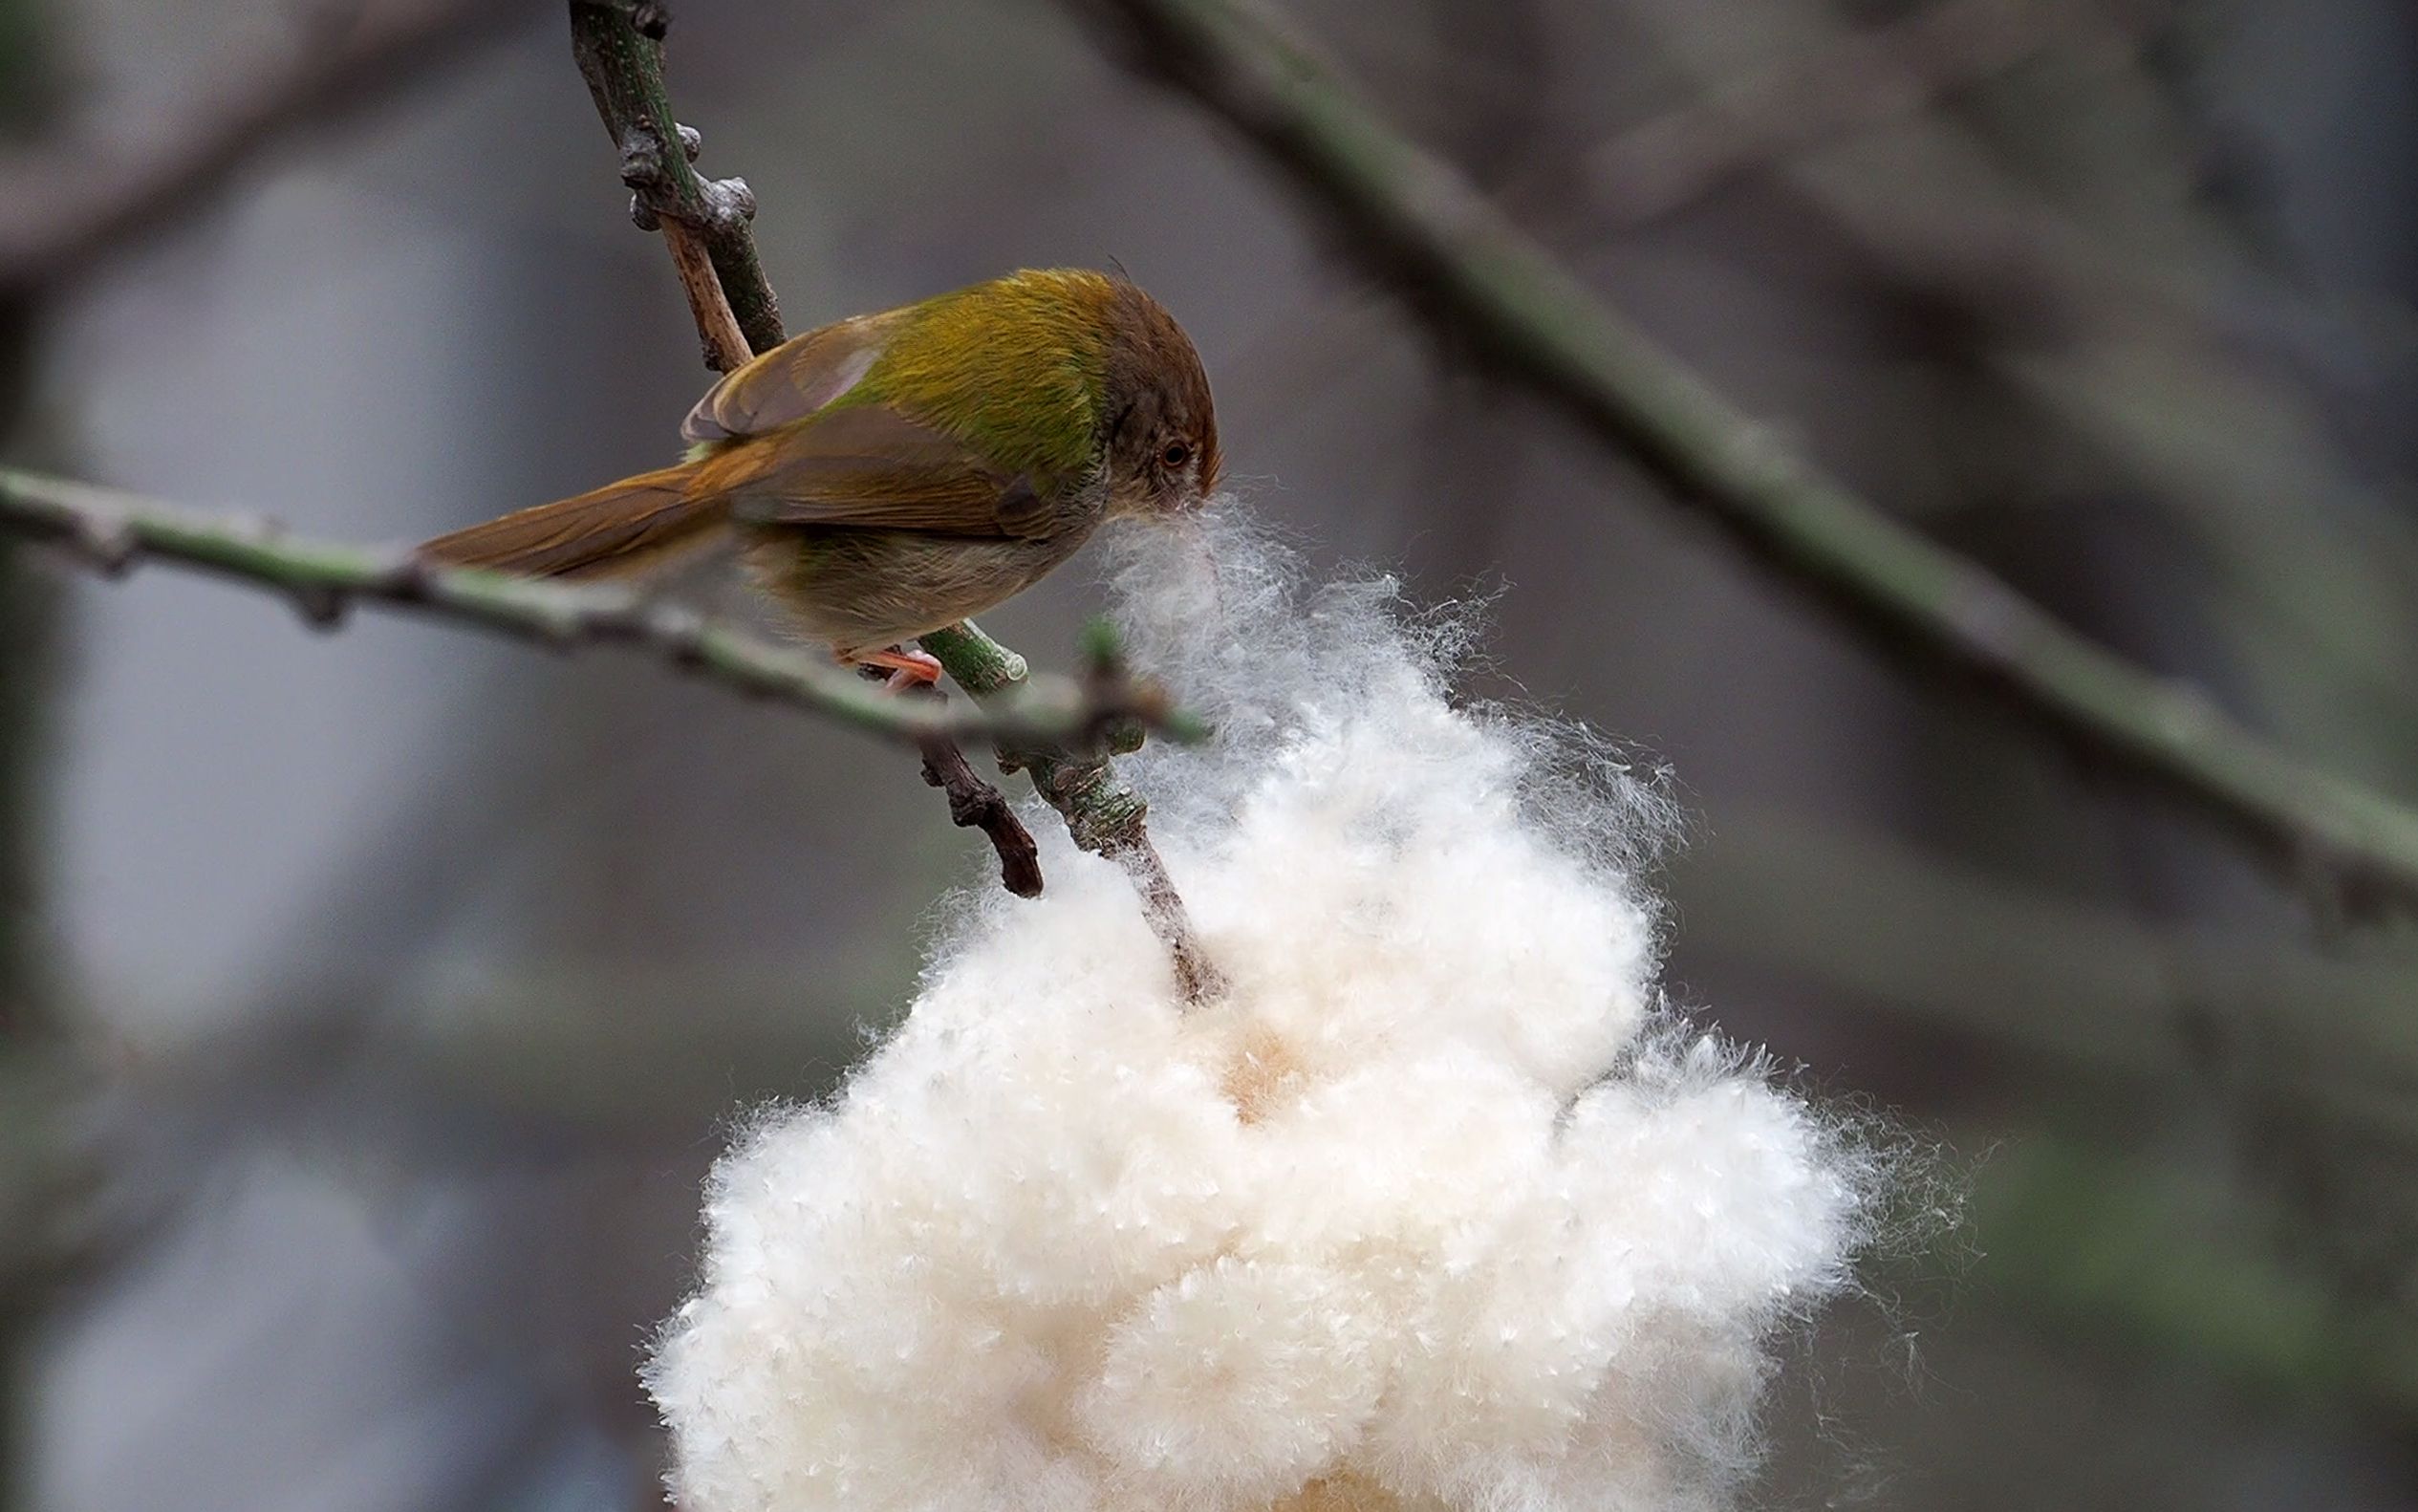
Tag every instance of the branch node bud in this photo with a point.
(681, 633)
(322, 605)
(110, 545)
(404, 577)
(729, 204)
(641, 156)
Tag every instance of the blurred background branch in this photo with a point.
(1459, 262)
(2149, 339)
(43, 1166)
(1894, 71)
(2083, 989)
(65, 203)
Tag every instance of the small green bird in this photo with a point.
(893, 474)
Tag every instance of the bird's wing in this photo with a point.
(792, 381)
(869, 466)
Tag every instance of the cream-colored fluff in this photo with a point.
(1435, 1209)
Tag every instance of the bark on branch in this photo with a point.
(619, 45)
(1463, 264)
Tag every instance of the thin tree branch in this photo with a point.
(1103, 812)
(1891, 73)
(1929, 941)
(112, 531)
(977, 804)
(63, 206)
(2164, 368)
(1464, 266)
(618, 44)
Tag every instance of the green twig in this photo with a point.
(1464, 265)
(112, 531)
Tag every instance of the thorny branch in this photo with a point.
(64, 204)
(112, 531)
(618, 44)
(1463, 266)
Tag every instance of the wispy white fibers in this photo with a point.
(1435, 1209)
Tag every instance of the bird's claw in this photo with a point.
(908, 669)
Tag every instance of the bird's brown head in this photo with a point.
(1162, 427)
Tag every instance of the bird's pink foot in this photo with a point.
(908, 669)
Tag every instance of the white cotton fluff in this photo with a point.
(1436, 1208)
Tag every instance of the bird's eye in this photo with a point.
(1175, 454)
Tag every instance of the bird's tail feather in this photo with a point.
(624, 527)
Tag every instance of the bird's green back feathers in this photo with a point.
(1016, 368)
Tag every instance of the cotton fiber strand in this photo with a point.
(1436, 1208)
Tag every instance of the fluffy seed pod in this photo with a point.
(1433, 1209)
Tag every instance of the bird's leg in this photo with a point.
(908, 669)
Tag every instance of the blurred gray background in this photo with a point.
(401, 983)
